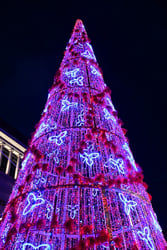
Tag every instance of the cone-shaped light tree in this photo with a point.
(79, 186)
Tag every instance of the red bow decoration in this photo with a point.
(87, 229)
(59, 170)
(102, 237)
(54, 221)
(90, 241)
(40, 224)
(118, 241)
(69, 224)
(70, 169)
(29, 178)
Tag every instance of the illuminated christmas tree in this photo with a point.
(79, 186)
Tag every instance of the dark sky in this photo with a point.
(130, 44)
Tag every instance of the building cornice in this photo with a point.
(11, 142)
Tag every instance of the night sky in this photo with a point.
(130, 43)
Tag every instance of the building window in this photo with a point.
(13, 164)
(4, 160)
(20, 166)
(5, 152)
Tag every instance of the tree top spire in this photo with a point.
(78, 22)
(79, 46)
(79, 32)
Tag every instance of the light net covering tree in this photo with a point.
(79, 186)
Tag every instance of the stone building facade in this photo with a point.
(11, 155)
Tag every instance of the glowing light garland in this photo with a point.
(25, 161)
(5, 232)
(90, 147)
(128, 204)
(72, 73)
(79, 45)
(106, 246)
(39, 179)
(57, 210)
(42, 246)
(110, 103)
(94, 71)
(108, 116)
(130, 156)
(49, 94)
(80, 120)
(78, 81)
(45, 128)
(66, 105)
(87, 54)
(96, 189)
(155, 222)
(55, 153)
(91, 49)
(33, 202)
(56, 158)
(115, 164)
(145, 236)
(88, 158)
(124, 186)
(94, 192)
(49, 209)
(41, 129)
(46, 106)
(73, 210)
(109, 136)
(58, 139)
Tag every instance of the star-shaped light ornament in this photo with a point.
(49, 209)
(65, 105)
(33, 202)
(72, 73)
(128, 204)
(145, 236)
(73, 210)
(27, 246)
(78, 81)
(39, 179)
(115, 164)
(88, 55)
(58, 139)
(89, 158)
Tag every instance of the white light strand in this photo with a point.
(108, 116)
(94, 71)
(130, 155)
